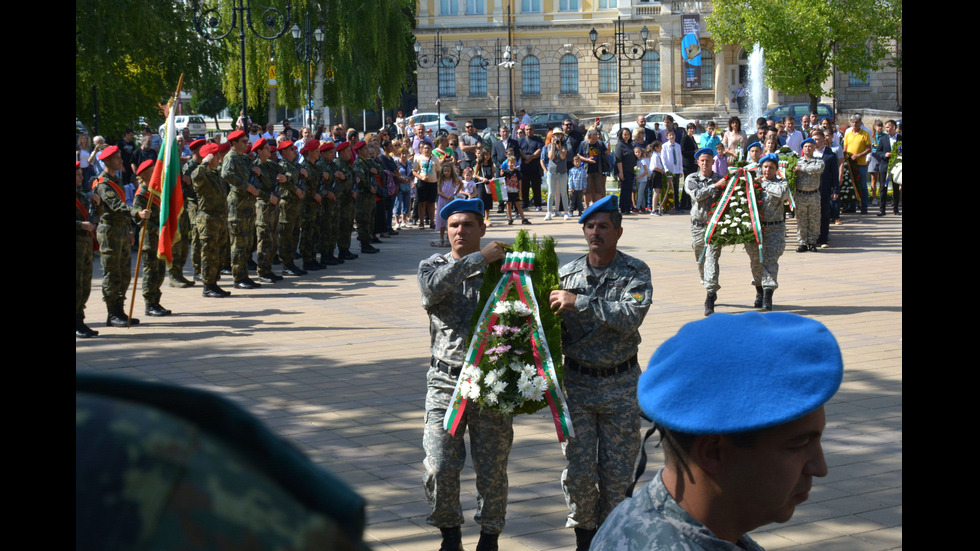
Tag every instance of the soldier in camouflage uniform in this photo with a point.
(329, 221)
(450, 285)
(84, 239)
(312, 206)
(236, 171)
(809, 171)
(344, 189)
(154, 268)
(190, 240)
(704, 187)
(212, 218)
(364, 189)
(290, 208)
(267, 209)
(741, 437)
(603, 299)
(115, 235)
(775, 191)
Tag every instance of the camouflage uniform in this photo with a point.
(310, 238)
(83, 255)
(114, 231)
(601, 332)
(807, 198)
(190, 239)
(154, 268)
(290, 212)
(364, 203)
(450, 293)
(345, 204)
(236, 171)
(328, 216)
(266, 216)
(212, 221)
(652, 519)
(703, 195)
(773, 234)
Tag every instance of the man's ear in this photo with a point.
(707, 452)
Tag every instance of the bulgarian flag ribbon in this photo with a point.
(498, 189)
(164, 183)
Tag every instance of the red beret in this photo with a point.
(327, 146)
(209, 148)
(235, 135)
(78, 164)
(108, 152)
(358, 145)
(224, 147)
(145, 165)
(285, 144)
(196, 144)
(310, 146)
(259, 144)
(342, 146)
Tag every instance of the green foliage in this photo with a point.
(132, 52)
(804, 40)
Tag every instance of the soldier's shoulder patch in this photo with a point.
(637, 296)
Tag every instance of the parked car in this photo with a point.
(431, 120)
(652, 118)
(543, 122)
(797, 110)
(194, 123)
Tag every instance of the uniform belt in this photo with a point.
(573, 365)
(445, 368)
(801, 192)
(773, 223)
(697, 224)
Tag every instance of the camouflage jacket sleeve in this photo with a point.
(141, 200)
(603, 328)
(811, 170)
(266, 180)
(450, 292)
(775, 193)
(292, 176)
(236, 172)
(703, 194)
(362, 176)
(210, 192)
(112, 203)
(327, 179)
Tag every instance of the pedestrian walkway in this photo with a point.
(335, 362)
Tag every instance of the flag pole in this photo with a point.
(149, 205)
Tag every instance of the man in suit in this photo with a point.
(884, 154)
(829, 182)
(499, 154)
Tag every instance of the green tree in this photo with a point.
(803, 41)
(132, 52)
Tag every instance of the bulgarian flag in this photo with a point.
(498, 189)
(165, 182)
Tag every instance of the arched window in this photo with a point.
(607, 74)
(707, 69)
(531, 76)
(447, 78)
(651, 71)
(568, 68)
(478, 77)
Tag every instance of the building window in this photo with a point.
(707, 69)
(476, 7)
(567, 5)
(651, 71)
(447, 79)
(530, 6)
(478, 77)
(606, 4)
(607, 74)
(531, 76)
(854, 81)
(568, 68)
(448, 7)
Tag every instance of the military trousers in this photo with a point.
(266, 226)
(242, 233)
(345, 222)
(213, 231)
(601, 455)
(491, 437)
(182, 247)
(154, 269)
(310, 238)
(83, 272)
(114, 254)
(364, 215)
(764, 273)
(707, 266)
(807, 217)
(329, 227)
(290, 218)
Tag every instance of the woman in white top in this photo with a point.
(735, 140)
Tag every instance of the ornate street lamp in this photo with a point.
(426, 60)
(208, 24)
(501, 55)
(621, 49)
(308, 52)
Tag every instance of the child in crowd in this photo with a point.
(642, 177)
(449, 187)
(721, 161)
(468, 189)
(657, 171)
(576, 182)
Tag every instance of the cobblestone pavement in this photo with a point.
(335, 362)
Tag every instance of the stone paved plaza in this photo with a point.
(335, 362)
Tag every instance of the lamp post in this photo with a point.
(308, 52)
(208, 24)
(500, 55)
(621, 49)
(439, 53)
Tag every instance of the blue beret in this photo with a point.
(808, 140)
(754, 144)
(704, 151)
(609, 203)
(461, 205)
(732, 373)
(769, 157)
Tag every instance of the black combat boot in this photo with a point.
(345, 254)
(368, 248)
(452, 539)
(488, 542)
(157, 310)
(293, 270)
(328, 259)
(767, 300)
(709, 303)
(178, 280)
(758, 297)
(583, 538)
(83, 331)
